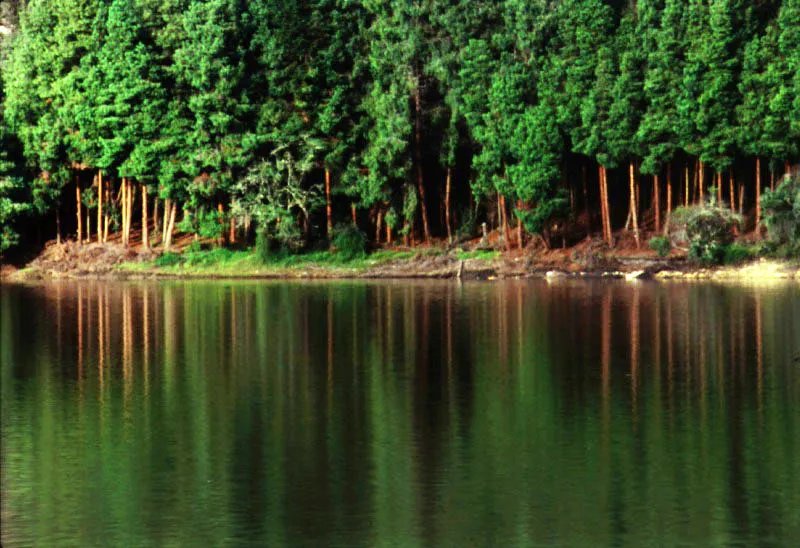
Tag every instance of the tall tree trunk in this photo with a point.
(88, 226)
(388, 234)
(701, 177)
(106, 217)
(145, 220)
(378, 226)
(719, 189)
(58, 225)
(657, 202)
(79, 213)
(353, 214)
(504, 217)
(741, 199)
(124, 208)
(519, 226)
(155, 216)
(758, 196)
(418, 151)
(602, 202)
(167, 210)
(604, 209)
(221, 237)
(669, 193)
(586, 202)
(686, 191)
(328, 204)
(100, 206)
(170, 227)
(447, 206)
(634, 216)
(771, 178)
(733, 193)
(232, 230)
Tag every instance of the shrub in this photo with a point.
(782, 212)
(285, 239)
(168, 259)
(737, 253)
(708, 230)
(348, 241)
(468, 226)
(661, 245)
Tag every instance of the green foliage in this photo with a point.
(348, 241)
(469, 224)
(168, 259)
(661, 245)
(251, 104)
(708, 230)
(736, 253)
(782, 212)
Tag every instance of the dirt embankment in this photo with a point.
(589, 259)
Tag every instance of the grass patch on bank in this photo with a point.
(477, 254)
(224, 262)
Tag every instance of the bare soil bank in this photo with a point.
(590, 259)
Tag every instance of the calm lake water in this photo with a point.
(400, 414)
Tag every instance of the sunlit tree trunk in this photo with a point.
(167, 210)
(686, 191)
(733, 193)
(99, 206)
(106, 216)
(378, 226)
(669, 193)
(504, 216)
(604, 209)
(124, 209)
(758, 196)
(79, 213)
(328, 204)
(519, 227)
(719, 189)
(170, 227)
(586, 202)
(447, 206)
(145, 220)
(155, 216)
(700, 177)
(634, 216)
(657, 203)
(418, 150)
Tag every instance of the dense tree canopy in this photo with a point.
(408, 112)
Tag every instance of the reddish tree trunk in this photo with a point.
(328, 204)
(145, 231)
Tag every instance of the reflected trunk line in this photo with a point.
(127, 350)
(80, 337)
(635, 351)
(702, 321)
(720, 336)
(670, 354)
(59, 331)
(234, 329)
(329, 354)
(100, 345)
(657, 349)
(146, 338)
(759, 353)
(605, 352)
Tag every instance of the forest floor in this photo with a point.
(478, 259)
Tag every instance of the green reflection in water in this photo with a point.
(414, 414)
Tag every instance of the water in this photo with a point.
(400, 414)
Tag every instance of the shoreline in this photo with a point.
(69, 261)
